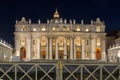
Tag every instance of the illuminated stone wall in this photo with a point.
(114, 51)
(5, 51)
(57, 39)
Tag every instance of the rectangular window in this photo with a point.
(53, 42)
(98, 41)
(98, 29)
(53, 48)
(53, 28)
(87, 42)
(34, 29)
(23, 42)
(87, 30)
(67, 29)
(78, 29)
(43, 29)
(23, 28)
(68, 42)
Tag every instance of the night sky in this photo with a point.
(10, 10)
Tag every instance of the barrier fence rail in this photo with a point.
(60, 71)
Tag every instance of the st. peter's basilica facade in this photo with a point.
(58, 39)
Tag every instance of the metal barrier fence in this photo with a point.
(60, 71)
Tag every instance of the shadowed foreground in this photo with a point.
(60, 70)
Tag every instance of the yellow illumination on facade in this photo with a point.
(43, 41)
(98, 42)
(43, 29)
(98, 29)
(53, 28)
(23, 42)
(87, 30)
(17, 53)
(57, 39)
(78, 29)
(34, 29)
(56, 14)
(23, 28)
(68, 29)
(78, 41)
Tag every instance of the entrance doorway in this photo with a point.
(23, 53)
(98, 53)
(43, 54)
(60, 53)
(78, 54)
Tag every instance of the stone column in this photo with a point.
(83, 49)
(71, 48)
(50, 48)
(74, 50)
(28, 50)
(47, 48)
(103, 53)
(38, 48)
(56, 56)
(17, 45)
(93, 44)
(65, 53)
(31, 45)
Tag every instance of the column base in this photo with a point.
(16, 59)
(27, 59)
(103, 60)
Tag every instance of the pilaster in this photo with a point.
(83, 49)
(71, 49)
(38, 48)
(47, 48)
(28, 56)
(56, 56)
(50, 48)
(17, 44)
(93, 43)
(103, 55)
(65, 53)
(74, 50)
